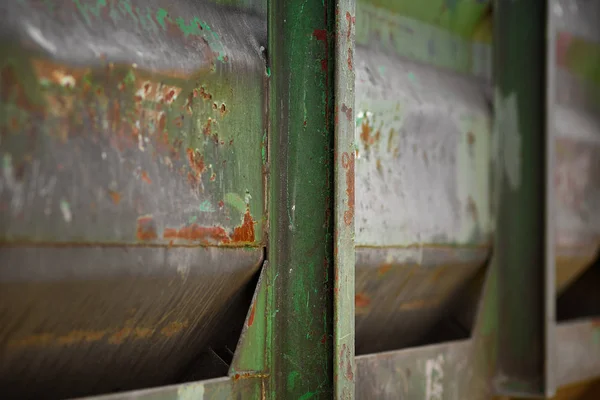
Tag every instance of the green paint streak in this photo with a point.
(235, 201)
(161, 14)
(308, 395)
(206, 206)
(292, 379)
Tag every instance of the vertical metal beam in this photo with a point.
(523, 251)
(301, 205)
(344, 366)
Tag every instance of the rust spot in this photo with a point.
(349, 58)
(251, 317)
(378, 166)
(245, 232)
(195, 232)
(324, 339)
(215, 106)
(221, 204)
(365, 134)
(384, 269)
(115, 196)
(348, 165)
(470, 138)
(223, 110)
(204, 94)
(146, 228)
(120, 336)
(361, 300)
(321, 35)
(207, 128)
(174, 328)
(348, 111)
(350, 20)
(144, 176)
(170, 96)
(213, 177)
(196, 161)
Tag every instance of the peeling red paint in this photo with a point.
(348, 165)
(146, 228)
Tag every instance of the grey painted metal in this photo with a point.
(133, 157)
(93, 320)
(423, 220)
(428, 373)
(577, 352)
(446, 371)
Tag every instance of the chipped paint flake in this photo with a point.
(65, 208)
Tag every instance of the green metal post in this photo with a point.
(301, 203)
(522, 254)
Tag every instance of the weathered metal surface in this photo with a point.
(446, 371)
(397, 302)
(83, 321)
(454, 35)
(215, 389)
(344, 201)
(422, 174)
(578, 351)
(577, 132)
(428, 373)
(300, 274)
(132, 199)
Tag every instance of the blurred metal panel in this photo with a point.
(423, 220)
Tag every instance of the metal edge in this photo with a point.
(344, 175)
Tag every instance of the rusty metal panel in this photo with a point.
(132, 205)
(423, 212)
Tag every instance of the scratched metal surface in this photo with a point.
(131, 187)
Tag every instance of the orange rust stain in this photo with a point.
(146, 229)
(350, 20)
(361, 300)
(245, 232)
(384, 269)
(203, 93)
(80, 336)
(366, 134)
(348, 164)
(251, 317)
(207, 128)
(349, 60)
(196, 161)
(195, 232)
(174, 328)
(390, 140)
(143, 333)
(145, 177)
(378, 166)
(120, 336)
